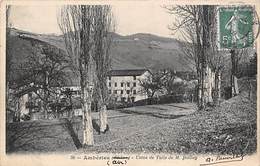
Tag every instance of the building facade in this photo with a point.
(124, 85)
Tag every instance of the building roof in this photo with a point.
(127, 72)
(25, 90)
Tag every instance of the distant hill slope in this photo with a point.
(128, 52)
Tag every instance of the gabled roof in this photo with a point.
(127, 72)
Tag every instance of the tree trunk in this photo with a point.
(46, 95)
(208, 85)
(30, 99)
(218, 86)
(250, 91)
(71, 111)
(199, 95)
(103, 118)
(236, 91)
(234, 84)
(213, 85)
(200, 89)
(45, 108)
(88, 138)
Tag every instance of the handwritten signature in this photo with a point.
(223, 159)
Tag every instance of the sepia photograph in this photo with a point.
(128, 78)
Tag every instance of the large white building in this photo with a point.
(124, 85)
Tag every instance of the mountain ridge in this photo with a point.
(135, 51)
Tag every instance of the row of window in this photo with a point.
(122, 84)
(121, 92)
(134, 77)
(123, 99)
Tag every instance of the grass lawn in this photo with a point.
(227, 129)
(170, 128)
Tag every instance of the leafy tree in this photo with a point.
(168, 78)
(151, 85)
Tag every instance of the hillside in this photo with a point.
(133, 51)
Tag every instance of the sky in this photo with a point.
(130, 18)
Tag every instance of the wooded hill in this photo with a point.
(128, 52)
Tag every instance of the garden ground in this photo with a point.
(170, 128)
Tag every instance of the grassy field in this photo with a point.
(227, 129)
(170, 128)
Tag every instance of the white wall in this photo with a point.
(22, 104)
(127, 79)
(123, 79)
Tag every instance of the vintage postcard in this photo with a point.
(123, 83)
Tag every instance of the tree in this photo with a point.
(103, 25)
(44, 71)
(168, 78)
(79, 25)
(197, 26)
(151, 85)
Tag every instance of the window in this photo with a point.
(134, 92)
(109, 77)
(115, 91)
(109, 91)
(128, 84)
(123, 99)
(134, 77)
(122, 84)
(115, 84)
(122, 92)
(134, 84)
(132, 99)
(109, 84)
(128, 92)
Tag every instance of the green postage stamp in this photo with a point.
(235, 27)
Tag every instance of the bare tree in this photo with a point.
(237, 56)
(76, 23)
(197, 27)
(103, 25)
(43, 71)
(45, 68)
